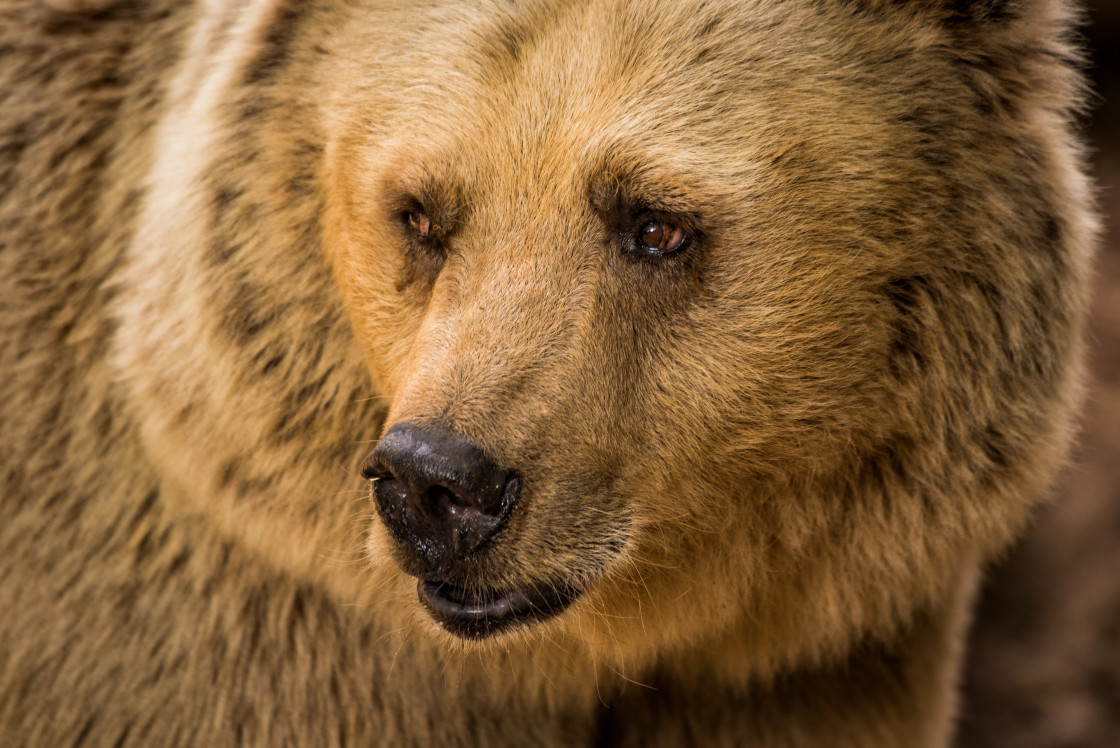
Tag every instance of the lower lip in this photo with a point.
(478, 616)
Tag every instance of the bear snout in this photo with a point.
(439, 496)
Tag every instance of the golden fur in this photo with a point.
(775, 461)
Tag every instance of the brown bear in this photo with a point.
(523, 372)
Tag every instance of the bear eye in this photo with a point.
(659, 238)
(419, 223)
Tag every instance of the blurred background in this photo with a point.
(1043, 669)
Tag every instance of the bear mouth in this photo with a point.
(478, 614)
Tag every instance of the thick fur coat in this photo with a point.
(240, 241)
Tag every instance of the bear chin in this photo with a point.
(480, 614)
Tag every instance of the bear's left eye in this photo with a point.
(657, 237)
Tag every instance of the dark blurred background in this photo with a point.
(1043, 669)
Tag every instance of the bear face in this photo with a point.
(791, 346)
(723, 291)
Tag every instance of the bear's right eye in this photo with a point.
(419, 223)
(423, 246)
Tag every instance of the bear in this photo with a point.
(524, 372)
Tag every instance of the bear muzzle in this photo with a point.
(443, 500)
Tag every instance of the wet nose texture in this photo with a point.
(439, 495)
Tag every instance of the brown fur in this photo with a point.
(775, 461)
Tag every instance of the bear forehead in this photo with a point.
(585, 93)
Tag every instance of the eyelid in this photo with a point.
(615, 196)
(687, 221)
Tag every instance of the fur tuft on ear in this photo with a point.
(991, 11)
(988, 12)
(981, 12)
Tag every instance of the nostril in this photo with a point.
(444, 499)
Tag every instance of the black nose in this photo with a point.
(438, 494)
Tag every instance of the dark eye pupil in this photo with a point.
(653, 234)
(419, 222)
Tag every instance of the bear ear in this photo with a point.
(986, 10)
(979, 11)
